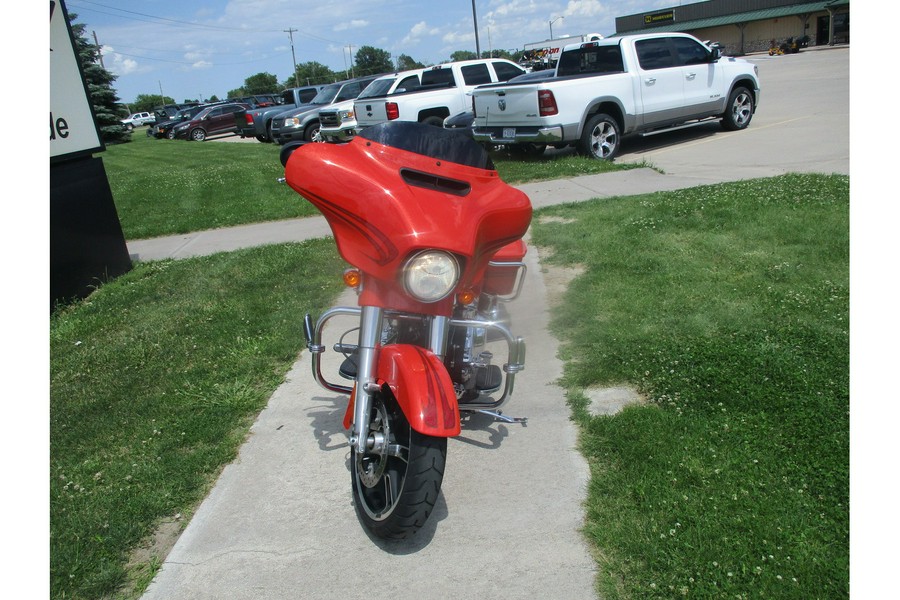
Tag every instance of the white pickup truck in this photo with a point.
(338, 123)
(609, 88)
(442, 93)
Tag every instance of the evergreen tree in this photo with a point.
(107, 108)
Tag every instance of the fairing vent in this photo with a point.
(433, 182)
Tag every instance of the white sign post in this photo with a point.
(73, 130)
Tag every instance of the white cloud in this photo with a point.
(585, 8)
(202, 64)
(354, 24)
(118, 63)
(418, 31)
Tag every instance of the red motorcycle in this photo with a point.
(433, 237)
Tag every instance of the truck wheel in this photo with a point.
(262, 138)
(600, 138)
(198, 135)
(129, 127)
(739, 110)
(311, 131)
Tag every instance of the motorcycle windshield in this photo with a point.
(424, 188)
(442, 144)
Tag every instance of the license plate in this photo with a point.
(509, 133)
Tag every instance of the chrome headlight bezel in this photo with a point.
(430, 275)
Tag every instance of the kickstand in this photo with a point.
(501, 417)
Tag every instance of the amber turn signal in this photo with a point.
(465, 297)
(352, 278)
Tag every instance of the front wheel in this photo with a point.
(198, 135)
(739, 110)
(600, 138)
(311, 131)
(397, 480)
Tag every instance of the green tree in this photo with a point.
(213, 98)
(147, 102)
(463, 55)
(107, 108)
(370, 61)
(310, 73)
(261, 83)
(500, 54)
(406, 62)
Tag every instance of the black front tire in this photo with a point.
(601, 138)
(395, 492)
(311, 131)
(739, 110)
(198, 135)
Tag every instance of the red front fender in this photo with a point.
(422, 387)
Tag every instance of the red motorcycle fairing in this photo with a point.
(384, 203)
(422, 387)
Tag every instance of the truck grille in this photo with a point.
(329, 119)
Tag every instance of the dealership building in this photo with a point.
(744, 26)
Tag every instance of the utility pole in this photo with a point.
(290, 32)
(350, 52)
(100, 54)
(475, 20)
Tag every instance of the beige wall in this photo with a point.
(758, 35)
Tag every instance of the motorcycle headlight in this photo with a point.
(430, 275)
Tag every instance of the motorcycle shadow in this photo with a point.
(475, 426)
(326, 419)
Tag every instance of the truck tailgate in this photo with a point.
(370, 111)
(499, 106)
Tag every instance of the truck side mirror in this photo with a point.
(715, 53)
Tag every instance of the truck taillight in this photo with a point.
(392, 110)
(249, 118)
(547, 103)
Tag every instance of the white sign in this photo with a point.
(72, 126)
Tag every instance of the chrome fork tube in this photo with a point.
(439, 335)
(369, 338)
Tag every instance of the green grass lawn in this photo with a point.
(728, 307)
(154, 382)
(167, 187)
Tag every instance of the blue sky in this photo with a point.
(206, 47)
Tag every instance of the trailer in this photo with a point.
(543, 55)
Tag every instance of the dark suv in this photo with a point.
(166, 129)
(213, 120)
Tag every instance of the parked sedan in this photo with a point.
(213, 120)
